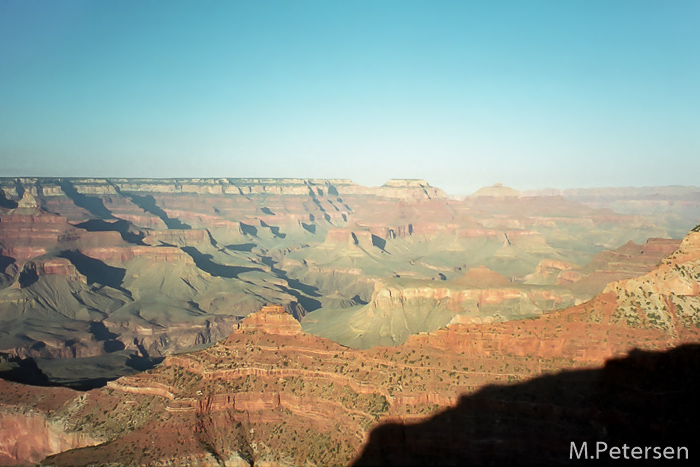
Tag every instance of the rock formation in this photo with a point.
(270, 393)
(93, 266)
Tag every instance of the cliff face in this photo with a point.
(30, 437)
(666, 298)
(28, 233)
(29, 427)
(271, 319)
(410, 189)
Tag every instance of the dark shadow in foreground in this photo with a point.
(648, 399)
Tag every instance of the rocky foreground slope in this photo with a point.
(142, 268)
(270, 393)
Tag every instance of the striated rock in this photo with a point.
(271, 319)
(416, 189)
(397, 189)
(161, 254)
(176, 237)
(30, 437)
(27, 202)
(50, 267)
(28, 431)
(283, 186)
(29, 233)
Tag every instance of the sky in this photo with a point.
(464, 94)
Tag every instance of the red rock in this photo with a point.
(271, 319)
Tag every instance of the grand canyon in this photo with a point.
(321, 322)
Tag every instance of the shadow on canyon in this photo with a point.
(148, 204)
(302, 292)
(247, 247)
(96, 271)
(81, 374)
(28, 275)
(647, 399)
(6, 202)
(93, 204)
(205, 263)
(5, 261)
(121, 226)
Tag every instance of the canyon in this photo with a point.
(271, 394)
(297, 321)
(89, 266)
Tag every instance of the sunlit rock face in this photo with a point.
(30, 437)
(272, 319)
(666, 298)
(28, 429)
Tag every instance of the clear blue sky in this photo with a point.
(464, 94)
